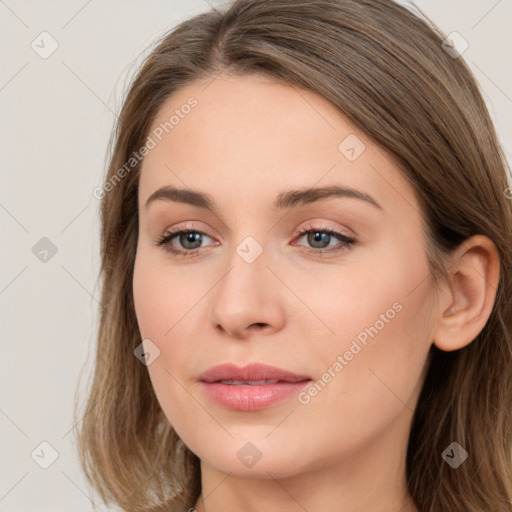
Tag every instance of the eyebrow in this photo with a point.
(288, 199)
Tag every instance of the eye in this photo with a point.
(190, 240)
(321, 237)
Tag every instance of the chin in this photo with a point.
(253, 456)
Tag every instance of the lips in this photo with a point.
(251, 388)
(253, 374)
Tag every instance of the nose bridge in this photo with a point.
(244, 284)
(247, 294)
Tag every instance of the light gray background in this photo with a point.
(56, 115)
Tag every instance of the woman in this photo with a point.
(306, 272)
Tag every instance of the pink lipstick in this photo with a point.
(251, 388)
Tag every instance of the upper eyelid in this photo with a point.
(173, 233)
(305, 225)
(297, 231)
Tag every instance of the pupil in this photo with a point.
(191, 237)
(318, 237)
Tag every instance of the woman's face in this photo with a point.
(351, 311)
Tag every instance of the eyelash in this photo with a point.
(164, 242)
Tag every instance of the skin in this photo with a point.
(248, 139)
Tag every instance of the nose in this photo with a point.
(248, 299)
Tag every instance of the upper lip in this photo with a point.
(251, 372)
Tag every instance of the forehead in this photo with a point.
(252, 136)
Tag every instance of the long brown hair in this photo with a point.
(384, 67)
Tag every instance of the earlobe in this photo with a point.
(472, 288)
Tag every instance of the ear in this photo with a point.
(470, 297)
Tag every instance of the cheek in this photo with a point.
(161, 299)
(378, 292)
(372, 367)
(377, 341)
(170, 307)
(162, 307)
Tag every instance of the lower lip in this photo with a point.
(245, 397)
